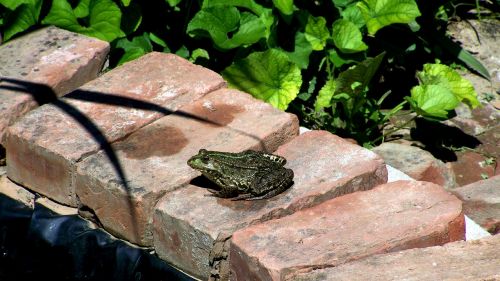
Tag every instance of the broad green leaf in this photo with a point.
(199, 53)
(173, 3)
(353, 14)
(300, 55)
(347, 37)
(13, 4)
(339, 59)
(439, 74)
(432, 101)
(316, 32)
(23, 17)
(104, 19)
(82, 9)
(325, 95)
(380, 13)
(265, 14)
(342, 3)
(361, 73)
(220, 22)
(285, 6)
(269, 76)
(139, 46)
(248, 4)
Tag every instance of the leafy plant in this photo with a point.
(342, 65)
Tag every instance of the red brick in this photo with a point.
(154, 157)
(481, 202)
(52, 57)
(44, 146)
(390, 217)
(472, 260)
(190, 228)
(417, 163)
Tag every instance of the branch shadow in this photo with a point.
(43, 94)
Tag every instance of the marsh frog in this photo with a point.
(246, 175)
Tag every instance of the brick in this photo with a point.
(16, 192)
(471, 166)
(417, 163)
(391, 217)
(481, 202)
(43, 65)
(190, 229)
(472, 260)
(154, 158)
(44, 146)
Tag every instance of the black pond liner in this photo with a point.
(38, 244)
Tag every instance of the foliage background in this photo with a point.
(342, 65)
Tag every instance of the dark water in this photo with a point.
(37, 244)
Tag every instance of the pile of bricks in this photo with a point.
(117, 144)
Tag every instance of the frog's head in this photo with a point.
(202, 161)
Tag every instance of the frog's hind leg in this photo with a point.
(221, 193)
(282, 181)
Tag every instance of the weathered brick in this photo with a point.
(481, 202)
(154, 158)
(190, 229)
(472, 260)
(417, 163)
(16, 192)
(42, 65)
(391, 217)
(44, 146)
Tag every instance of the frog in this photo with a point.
(246, 175)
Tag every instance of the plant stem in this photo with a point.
(396, 128)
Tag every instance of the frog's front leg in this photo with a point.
(270, 184)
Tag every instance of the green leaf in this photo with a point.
(183, 52)
(104, 19)
(126, 2)
(285, 6)
(131, 19)
(432, 101)
(248, 4)
(269, 76)
(219, 22)
(153, 37)
(380, 13)
(342, 3)
(347, 37)
(173, 3)
(316, 32)
(300, 55)
(139, 46)
(199, 53)
(13, 4)
(353, 14)
(361, 73)
(462, 54)
(439, 74)
(82, 9)
(339, 59)
(325, 95)
(23, 17)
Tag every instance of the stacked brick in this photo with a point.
(118, 144)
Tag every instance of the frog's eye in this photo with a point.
(205, 159)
